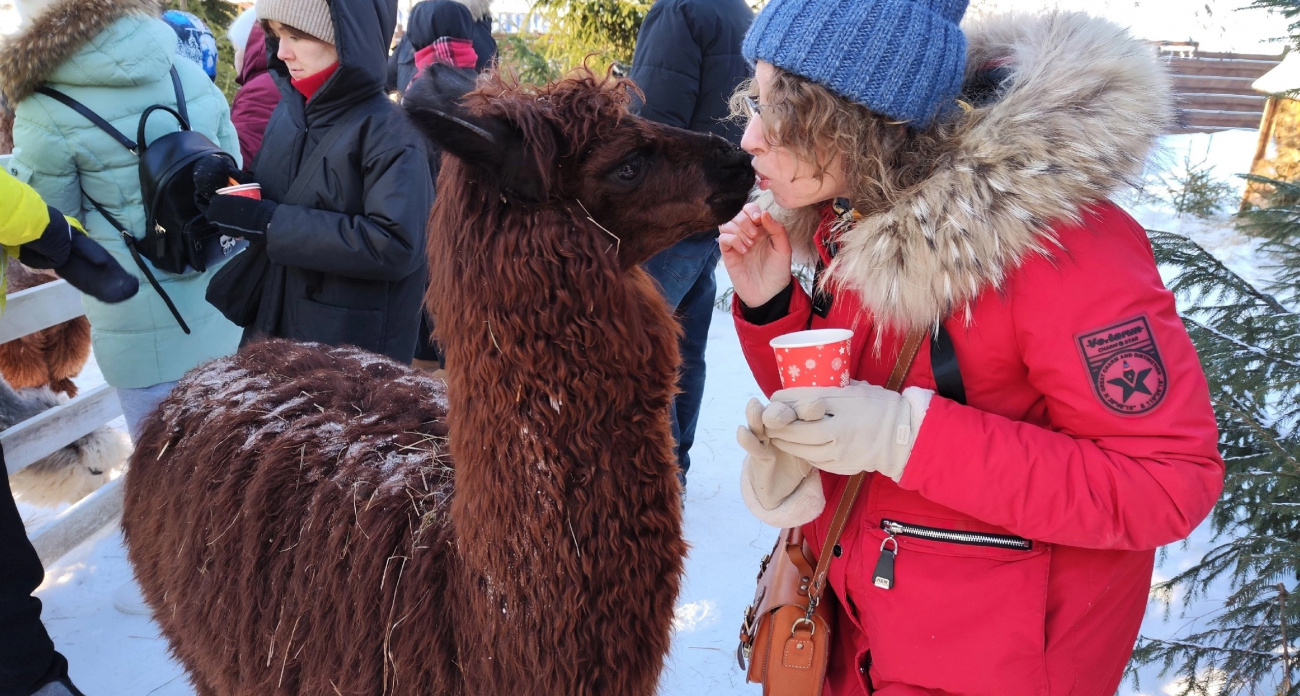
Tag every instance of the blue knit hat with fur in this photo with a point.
(900, 58)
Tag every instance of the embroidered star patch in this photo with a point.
(1126, 370)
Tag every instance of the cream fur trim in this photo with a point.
(1084, 104)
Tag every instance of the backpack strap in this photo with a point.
(92, 117)
(135, 254)
(134, 147)
(180, 95)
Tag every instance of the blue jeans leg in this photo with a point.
(685, 273)
(137, 404)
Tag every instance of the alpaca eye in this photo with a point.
(630, 170)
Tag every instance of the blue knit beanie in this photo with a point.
(900, 58)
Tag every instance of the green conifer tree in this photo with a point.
(1248, 339)
(1249, 345)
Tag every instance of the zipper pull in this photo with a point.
(883, 577)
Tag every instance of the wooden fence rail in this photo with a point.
(45, 433)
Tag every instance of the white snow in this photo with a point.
(112, 654)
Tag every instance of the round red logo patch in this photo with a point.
(1131, 382)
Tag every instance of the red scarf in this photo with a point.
(310, 84)
(455, 52)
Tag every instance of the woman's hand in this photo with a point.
(756, 253)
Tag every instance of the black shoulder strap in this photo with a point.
(943, 362)
(91, 116)
(180, 95)
(144, 267)
(317, 156)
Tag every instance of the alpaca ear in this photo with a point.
(493, 146)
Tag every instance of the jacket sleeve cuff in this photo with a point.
(755, 338)
(769, 311)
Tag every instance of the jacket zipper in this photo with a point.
(883, 577)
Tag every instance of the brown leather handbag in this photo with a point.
(786, 635)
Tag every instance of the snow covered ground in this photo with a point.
(112, 654)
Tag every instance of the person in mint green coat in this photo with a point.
(115, 57)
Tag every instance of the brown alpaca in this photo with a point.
(50, 357)
(306, 520)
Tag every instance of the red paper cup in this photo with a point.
(816, 358)
(244, 190)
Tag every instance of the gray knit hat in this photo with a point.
(310, 16)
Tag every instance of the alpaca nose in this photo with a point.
(730, 160)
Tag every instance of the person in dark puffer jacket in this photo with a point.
(688, 62)
(429, 22)
(347, 248)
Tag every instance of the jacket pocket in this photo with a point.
(957, 607)
(336, 326)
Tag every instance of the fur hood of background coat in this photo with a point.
(1073, 122)
(53, 33)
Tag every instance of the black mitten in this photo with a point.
(93, 271)
(241, 217)
(214, 172)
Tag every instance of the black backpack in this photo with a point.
(177, 238)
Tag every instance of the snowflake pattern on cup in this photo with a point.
(815, 358)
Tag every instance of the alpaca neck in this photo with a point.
(562, 370)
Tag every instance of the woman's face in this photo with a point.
(790, 176)
(304, 54)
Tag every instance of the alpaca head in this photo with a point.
(574, 144)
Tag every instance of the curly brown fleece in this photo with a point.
(307, 520)
(49, 357)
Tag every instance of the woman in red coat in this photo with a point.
(1056, 427)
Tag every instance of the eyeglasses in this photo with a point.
(753, 107)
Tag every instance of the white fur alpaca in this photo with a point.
(73, 471)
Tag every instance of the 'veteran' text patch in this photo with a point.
(1128, 375)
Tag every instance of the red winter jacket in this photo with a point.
(1041, 452)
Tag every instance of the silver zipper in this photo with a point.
(1003, 541)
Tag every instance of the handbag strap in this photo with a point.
(911, 345)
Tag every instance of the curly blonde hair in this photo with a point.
(882, 159)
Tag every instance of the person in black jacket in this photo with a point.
(346, 186)
(438, 19)
(688, 63)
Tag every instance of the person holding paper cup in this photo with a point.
(1055, 427)
(344, 189)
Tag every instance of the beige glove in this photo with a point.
(777, 488)
(848, 430)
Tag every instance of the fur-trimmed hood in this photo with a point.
(1072, 122)
(57, 33)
